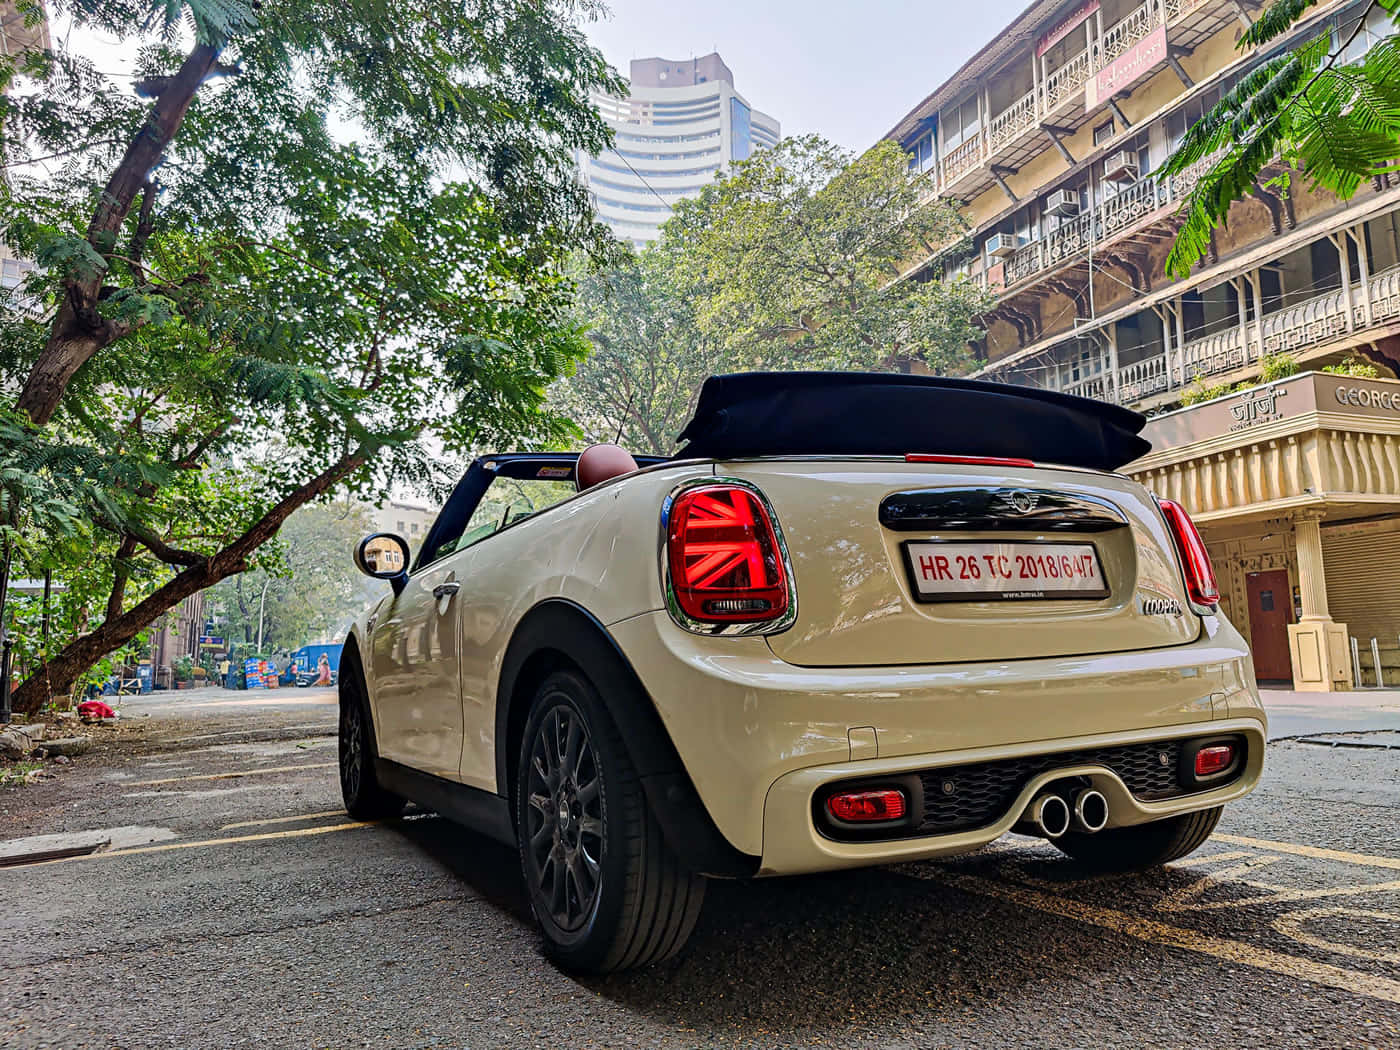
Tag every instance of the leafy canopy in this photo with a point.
(1337, 123)
(791, 261)
(345, 267)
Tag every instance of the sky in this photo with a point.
(846, 69)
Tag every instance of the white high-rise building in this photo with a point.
(681, 122)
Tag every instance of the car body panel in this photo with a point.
(760, 721)
(856, 603)
(741, 718)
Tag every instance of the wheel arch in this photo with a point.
(559, 633)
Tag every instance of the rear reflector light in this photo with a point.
(1200, 576)
(725, 561)
(968, 461)
(1214, 758)
(864, 807)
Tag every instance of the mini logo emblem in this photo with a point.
(1161, 607)
(1024, 502)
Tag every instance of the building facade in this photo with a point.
(1050, 137)
(680, 124)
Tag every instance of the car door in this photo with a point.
(414, 650)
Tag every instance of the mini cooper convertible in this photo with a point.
(859, 619)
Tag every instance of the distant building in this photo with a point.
(680, 124)
(409, 520)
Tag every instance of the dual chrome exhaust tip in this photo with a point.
(1053, 815)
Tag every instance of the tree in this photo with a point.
(648, 357)
(337, 233)
(1337, 123)
(793, 260)
(305, 586)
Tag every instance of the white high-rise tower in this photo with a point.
(681, 122)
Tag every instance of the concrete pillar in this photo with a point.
(1317, 646)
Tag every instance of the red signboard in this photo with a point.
(1128, 68)
(1062, 29)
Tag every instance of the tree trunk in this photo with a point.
(78, 330)
(81, 653)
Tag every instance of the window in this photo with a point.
(1376, 27)
(401, 529)
(1103, 133)
(507, 500)
(960, 123)
(921, 154)
(413, 529)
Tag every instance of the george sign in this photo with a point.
(1128, 68)
(1259, 405)
(211, 641)
(1062, 29)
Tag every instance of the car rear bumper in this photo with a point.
(759, 737)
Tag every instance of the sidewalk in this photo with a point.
(1302, 714)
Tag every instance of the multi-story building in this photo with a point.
(1050, 137)
(680, 124)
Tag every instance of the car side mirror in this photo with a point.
(384, 556)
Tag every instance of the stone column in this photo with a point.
(1317, 646)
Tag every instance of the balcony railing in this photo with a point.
(1060, 86)
(1129, 206)
(1314, 322)
(1010, 122)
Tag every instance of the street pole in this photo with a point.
(4, 638)
(261, 600)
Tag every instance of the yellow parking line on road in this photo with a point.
(231, 840)
(1171, 936)
(283, 820)
(1369, 860)
(228, 776)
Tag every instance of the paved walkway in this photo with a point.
(1294, 714)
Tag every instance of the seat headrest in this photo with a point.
(600, 463)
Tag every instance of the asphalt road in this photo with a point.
(236, 906)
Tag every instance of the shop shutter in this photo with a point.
(1363, 590)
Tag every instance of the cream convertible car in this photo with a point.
(859, 619)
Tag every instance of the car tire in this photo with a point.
(1141, 846)
(606, 889)
(365, 798)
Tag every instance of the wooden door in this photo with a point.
(1270, 613)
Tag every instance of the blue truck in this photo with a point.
(303, 665)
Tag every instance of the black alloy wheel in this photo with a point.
(605, 886)
(564, 818)
(365, 798)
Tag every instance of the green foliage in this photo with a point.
(1336, 124)
(350, 258)
(1354, 366)
(1200, 391)
(183, 668)
(311, 586)
(792, 261)
(1277, 366)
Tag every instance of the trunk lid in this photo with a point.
(1086, 553)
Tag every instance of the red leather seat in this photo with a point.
(600, 463)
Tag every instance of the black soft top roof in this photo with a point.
(879, 413)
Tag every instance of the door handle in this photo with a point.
(446, 590)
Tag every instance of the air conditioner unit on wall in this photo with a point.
(1000, 245)
(1063, 203)
(1121, 167)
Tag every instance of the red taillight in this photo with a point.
(725, 561)
(1200, 577)
(861, 807)
(968, 461)
(1214, 758)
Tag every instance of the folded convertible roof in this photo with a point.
(876, 413)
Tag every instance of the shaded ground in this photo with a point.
(247, 910)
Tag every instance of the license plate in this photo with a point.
(990, 571)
